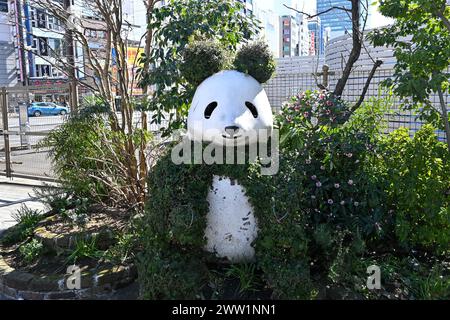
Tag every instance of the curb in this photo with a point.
(101, 284)
(55, 241)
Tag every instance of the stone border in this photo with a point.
(16, 284)
(55, 241)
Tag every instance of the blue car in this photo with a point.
(37, 109)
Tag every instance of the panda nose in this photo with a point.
(231, 130)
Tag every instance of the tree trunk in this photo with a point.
(445, 118)
(150, 5)
(356, 49)
(71, 52)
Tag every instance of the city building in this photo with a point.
(248, 7)
(37, 43)
(8, 59)
(270, 26)
(304, 36)
(289, 41)
(316, 33)
(338, 21)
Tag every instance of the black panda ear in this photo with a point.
(257, 60)
(202, 59)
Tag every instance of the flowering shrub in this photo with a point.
(341, 190)
(341, 187)
(311, 109)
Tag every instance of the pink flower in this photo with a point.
(314, 177)
(322, 96)
(318, 184)
(330, 103)
(337, 185)
(306, 114)
(330, 201)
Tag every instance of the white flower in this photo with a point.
(322, 167)
(308, 161)
(330, 201)
(318, 184)
(313, 197)
(350, 182)
(356, 204)
(349, 155)
(337, 185)
(314, 177)
(342, 202)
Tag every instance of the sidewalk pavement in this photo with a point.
(13, 194)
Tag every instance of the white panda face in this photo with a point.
(229, 106)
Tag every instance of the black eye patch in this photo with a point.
(252, 108)
(209, 109)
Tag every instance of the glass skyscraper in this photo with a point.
(338, 21)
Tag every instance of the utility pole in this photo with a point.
(21, 47)
(71, 55)
(24, 77)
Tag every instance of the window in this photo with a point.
(56, 73)
(43, 46)
(33, 17)
(35, 44)
(56, 47)
(58, 25)
(51, 22)
(3, 5)
(40, 15)
(92, 33)
(42, 70)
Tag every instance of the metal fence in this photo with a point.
(21, 154)
(285, 85)
(21, 133)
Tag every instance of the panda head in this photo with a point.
(231, 106)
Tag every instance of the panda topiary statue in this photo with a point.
(202, 215)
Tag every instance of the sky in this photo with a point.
(376, 19)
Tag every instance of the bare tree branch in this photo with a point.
(309, 16)
(377, 64)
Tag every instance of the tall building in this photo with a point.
(337, 20)
(8, 58)
(270, 25)
(248, 7)
(289, 41)
(304, 37)
(315, 28)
